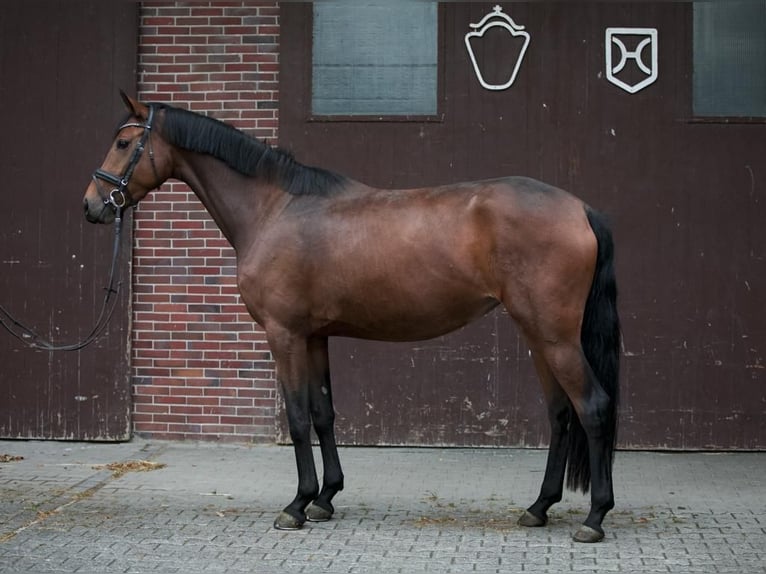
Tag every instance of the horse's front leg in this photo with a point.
(293, 372)
(323, 416)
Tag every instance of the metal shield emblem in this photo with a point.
(636, 64)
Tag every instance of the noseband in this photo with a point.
(118, 198)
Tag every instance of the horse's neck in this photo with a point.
(236, 203)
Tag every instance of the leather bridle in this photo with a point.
(118, 198)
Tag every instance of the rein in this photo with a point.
(30, 338)
(118, 200)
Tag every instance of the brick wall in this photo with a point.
(201, 367)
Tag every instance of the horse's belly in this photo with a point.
(386, 320)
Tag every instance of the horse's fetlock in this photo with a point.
(334, 484)
(308, 493)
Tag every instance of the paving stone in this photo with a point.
(404, 510)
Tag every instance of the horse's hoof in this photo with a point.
(287, 521)
(530, 520)
(315, 513)
(588, 535)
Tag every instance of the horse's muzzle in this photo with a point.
(98, 213)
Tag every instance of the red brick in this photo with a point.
(194, 344)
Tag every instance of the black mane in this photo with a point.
(245, 154)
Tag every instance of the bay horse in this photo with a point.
(321, 255)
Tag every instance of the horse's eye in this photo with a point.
(122, 144)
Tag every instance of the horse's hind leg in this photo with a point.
(559, 414)
(583, 444)
(591, 466)
(323, 416)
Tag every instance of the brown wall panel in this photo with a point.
(686, 201)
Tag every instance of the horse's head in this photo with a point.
(134, 165)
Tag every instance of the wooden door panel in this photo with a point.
(62, 63)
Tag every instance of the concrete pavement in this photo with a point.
(210, 509)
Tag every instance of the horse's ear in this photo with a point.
(134, 106)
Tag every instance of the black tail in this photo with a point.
(600, 339)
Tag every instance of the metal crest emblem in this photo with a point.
(645, 71)
(497, 18)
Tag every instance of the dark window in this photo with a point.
(730, 58)
(375, 58)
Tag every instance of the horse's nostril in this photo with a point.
(86, 209)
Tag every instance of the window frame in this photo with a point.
(437, 117)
